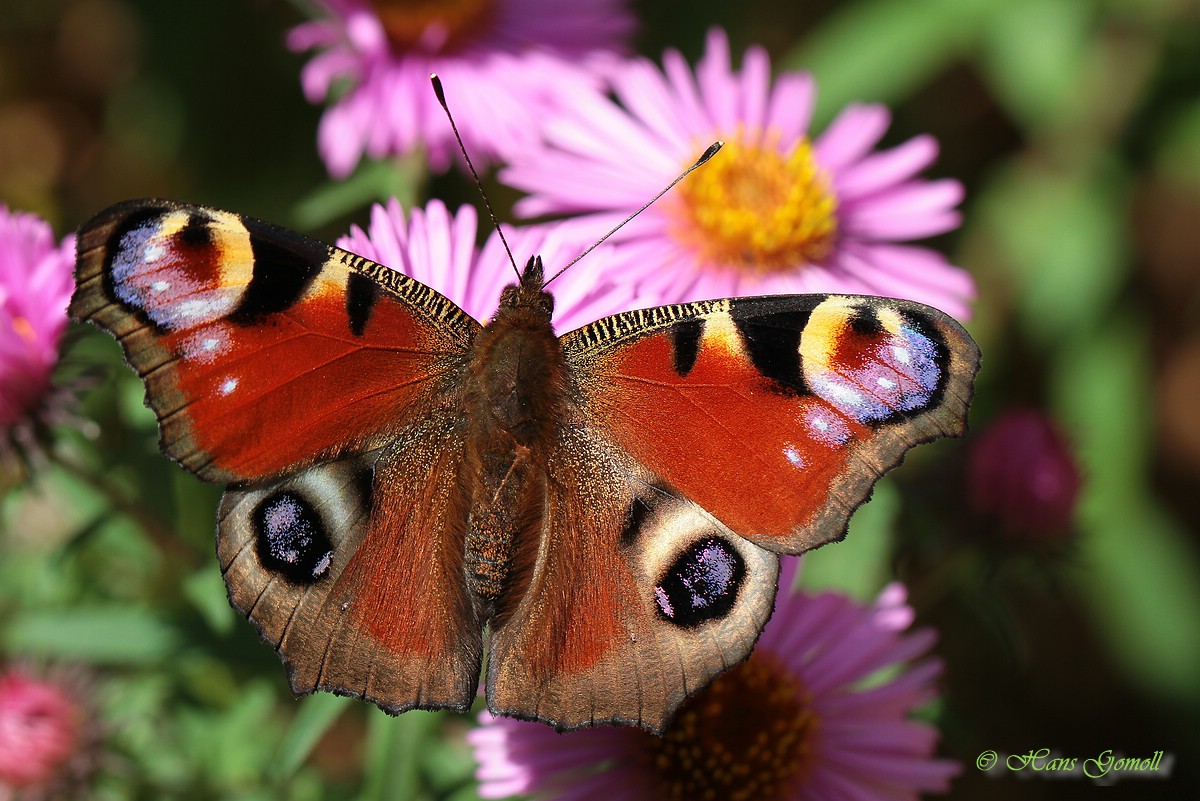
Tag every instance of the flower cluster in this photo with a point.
(509, 63)
(780, 210)
(35, 286)
(46, 737)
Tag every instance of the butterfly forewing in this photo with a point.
(261, 349)
(776, 414)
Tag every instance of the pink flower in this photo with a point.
(438, 249)
(806, 717)
(774, 212)
(506, 65)
(36, 279)
(1022, 475)
(40, 725)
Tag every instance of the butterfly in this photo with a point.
(602, 512)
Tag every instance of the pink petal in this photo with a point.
(887, 168)
(755, 88)
(790, 108)
(851, 136)
(716, 83)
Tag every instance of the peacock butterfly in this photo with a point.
(608, 505)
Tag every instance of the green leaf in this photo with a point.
(1063, 240)
(396, 746)
(858, 565)
(1178, 154)
(373, 181)
(116, 635)
(1034, 53)
(317, 713)
(467, 793)
(449, 761)
(1141, 567)
(882, 50)
(205, 589)
(132, 403)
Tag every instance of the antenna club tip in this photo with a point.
(710, 152)
(437, 88)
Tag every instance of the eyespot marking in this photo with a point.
(175, 269)
(291, 537)
(702, 584)
(873, 365)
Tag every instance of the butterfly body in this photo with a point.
(515, 394)
(403, 484)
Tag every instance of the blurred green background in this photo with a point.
(1075, 126)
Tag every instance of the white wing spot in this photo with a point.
(793, 456)
(228, 385)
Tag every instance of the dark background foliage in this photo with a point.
(1075, 126)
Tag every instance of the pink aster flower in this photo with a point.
(36, 278)
(41, 724)
(773, 212)
(506, 64)
(1022, 475)
(805, 717)
(438, 249)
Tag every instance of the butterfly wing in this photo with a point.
(322, 388)
(802, 402)
(706, 437)
(634, 598)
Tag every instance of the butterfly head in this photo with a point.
(529, 293)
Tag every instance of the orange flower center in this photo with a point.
(748, 737)
(758, 209)
(23, 329)
(431, 24)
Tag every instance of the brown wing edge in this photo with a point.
(895, 440)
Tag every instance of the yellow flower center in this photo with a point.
(758, 209)
(748, 737)
(437, 24)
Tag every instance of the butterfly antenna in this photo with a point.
(441, 97)
(705, 156)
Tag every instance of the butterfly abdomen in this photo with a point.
(515, 394)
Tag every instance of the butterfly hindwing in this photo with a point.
(326, 390)
(353, 571)
(776, 414)
(635, 597)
